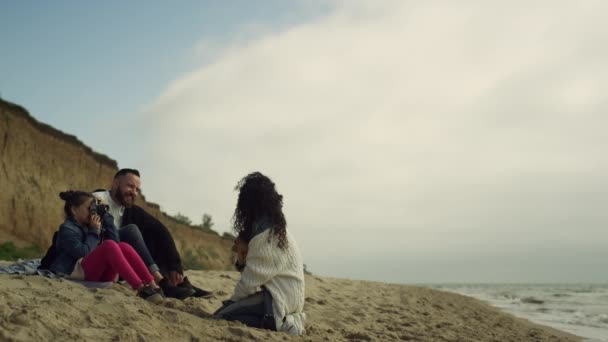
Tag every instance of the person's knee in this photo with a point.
(125, 246)
(109, 245)
(131, 230)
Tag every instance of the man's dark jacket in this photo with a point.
(157, 237)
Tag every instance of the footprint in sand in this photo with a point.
(19, 318)
(393, 328)
(351, 319)
(170, 316)
(358, 336)
(359, 314)
(240, 332)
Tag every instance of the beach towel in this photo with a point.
(30, 267)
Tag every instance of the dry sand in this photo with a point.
(34, 308)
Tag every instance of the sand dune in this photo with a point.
(34, 308)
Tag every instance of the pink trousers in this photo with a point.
(110, 259)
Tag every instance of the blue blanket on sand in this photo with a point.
(30, 267)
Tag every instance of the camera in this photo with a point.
(98, 208)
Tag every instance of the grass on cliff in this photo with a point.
(191, 261)
(205, 226)
(10, 252)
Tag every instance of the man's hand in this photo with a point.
(175, 278)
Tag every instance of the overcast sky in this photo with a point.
(416, 141)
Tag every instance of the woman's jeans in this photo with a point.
(254, 311)
(131, 235)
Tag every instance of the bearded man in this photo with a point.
(147, 235)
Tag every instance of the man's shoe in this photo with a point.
(150, 294)
(198, 292)
(174, 291)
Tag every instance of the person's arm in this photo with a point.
(259, 268)
(239, 248)
(109, 229)
(70, 241)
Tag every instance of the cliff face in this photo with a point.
(38, 161)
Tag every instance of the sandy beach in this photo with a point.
(34, 308)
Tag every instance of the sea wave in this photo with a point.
(579, 309)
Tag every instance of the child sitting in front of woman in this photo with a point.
(84, 252)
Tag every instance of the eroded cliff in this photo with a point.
(38, 161)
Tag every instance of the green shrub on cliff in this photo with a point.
(191, 261)
(8, 251)
(206, 225)
(181, 218)
(228, 236)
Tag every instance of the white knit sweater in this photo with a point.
(282, 274)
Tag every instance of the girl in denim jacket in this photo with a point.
(85, 253)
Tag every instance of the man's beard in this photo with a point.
(120, 197)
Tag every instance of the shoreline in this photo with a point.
(560, 306)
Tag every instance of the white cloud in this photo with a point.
(436, 131)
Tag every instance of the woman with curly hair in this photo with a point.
(270, 293)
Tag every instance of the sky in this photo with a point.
(414, 142)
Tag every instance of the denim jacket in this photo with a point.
(75, 241)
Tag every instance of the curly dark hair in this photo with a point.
(258, 199)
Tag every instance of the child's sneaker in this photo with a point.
(150, 294)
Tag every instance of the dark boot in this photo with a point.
(174, 291)
(198, 292)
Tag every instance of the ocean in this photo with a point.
(580, 309)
